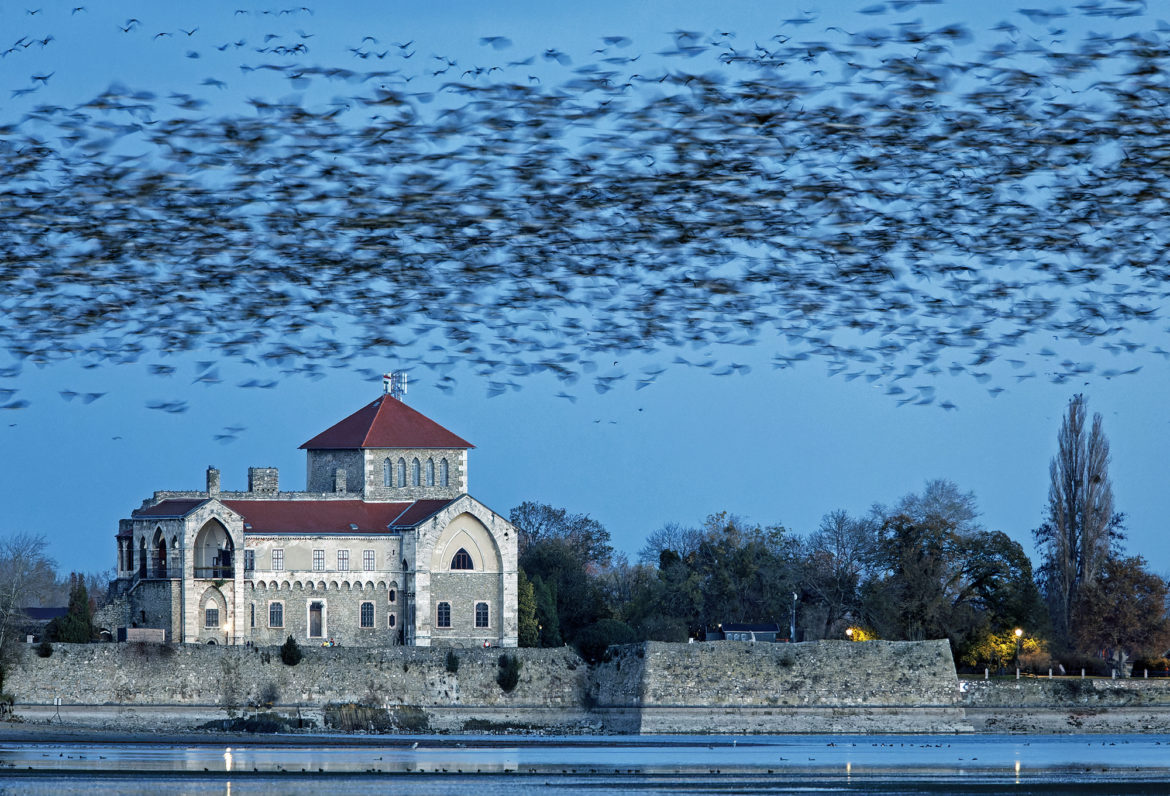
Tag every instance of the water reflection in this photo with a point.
(1010, 757)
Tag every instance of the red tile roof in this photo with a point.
(331, 516)
(386, 423)
(311, 516)
(169, 508)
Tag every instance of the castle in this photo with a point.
(384, 547)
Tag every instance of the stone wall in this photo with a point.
(823, 686)
(1068, 704)
(653, 687)
(721, 687)
(138, 677)
(322, 465)
(374, 483)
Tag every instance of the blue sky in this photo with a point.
(777, 446)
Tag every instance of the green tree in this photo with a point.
(1123, 611)
(571, 587)
(727, 571)
(527, 626)
(290, 652)
(539, 522)
(594, 640)
(76, 626)
(919, 589)
(548, 623)
(997, 580)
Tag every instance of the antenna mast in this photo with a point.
(394, 384)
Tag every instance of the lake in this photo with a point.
(481, 765)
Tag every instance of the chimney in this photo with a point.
(339, 480)
(265, 480)
(212, 481)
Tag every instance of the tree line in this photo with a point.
(921, 568)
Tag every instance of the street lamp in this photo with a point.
(792, 629)
(1019, 633)
(849, 633)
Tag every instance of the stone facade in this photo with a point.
(379, 566)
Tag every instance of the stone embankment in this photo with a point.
(721, 687)
(1067, 704)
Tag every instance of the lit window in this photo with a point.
(276, 615)
(211, 617)
(318, 560)
(249, 560)
(343, 560)
(387, 473)
(444, 477)
(367, 560)
(444, 615)
(481, 615)
(430, 472)
(415, 472)
(462, 560)
(278, 560)
(367, 615)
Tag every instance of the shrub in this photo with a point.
(1157, 667)
(509, 675)
(290, 652)
(452, 662)
(594, 640)
(1093, 666)
(44, 649)
(269, 695)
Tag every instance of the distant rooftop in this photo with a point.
(386, 423)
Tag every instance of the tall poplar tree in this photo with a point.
(1075, 540)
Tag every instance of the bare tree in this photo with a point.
(1076, 538)
(671, 536)
(26, 574)
(836, 557)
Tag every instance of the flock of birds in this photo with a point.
(898, 202)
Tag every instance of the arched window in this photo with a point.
(462, 560)
(430, 472)
(443, 474)
(443, 617)
(482, 615)
(415, 473)
(367, 615)
(160, 554)
(402, 472)
(142, 558)
(387, 473)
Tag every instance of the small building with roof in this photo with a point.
(383, 547)
(739, 631)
